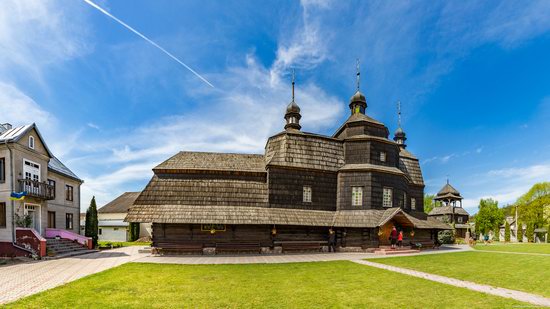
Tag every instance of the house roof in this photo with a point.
(16, 133)
(280, 216)
(121, 204)
(57, 166)
(448, 192)
(212, 161)
(304, 150)
(411, 167)
(447, 210)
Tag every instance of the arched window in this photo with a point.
(31, 142)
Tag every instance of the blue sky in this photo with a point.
(473, 78)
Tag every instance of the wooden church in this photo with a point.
(357, 183)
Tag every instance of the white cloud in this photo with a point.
(19, 109)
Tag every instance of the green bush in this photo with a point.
(134, 231)
(446, 237)
(507, 231)
(520, 232)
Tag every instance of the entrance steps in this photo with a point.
(58, 248)
(387, 250)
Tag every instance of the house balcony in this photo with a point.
(36, 189)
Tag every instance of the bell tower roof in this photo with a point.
(358, 102)
(399, 136)
(292, 115)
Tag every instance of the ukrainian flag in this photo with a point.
(18, 196)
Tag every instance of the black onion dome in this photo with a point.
(293, 108)
(358, 97)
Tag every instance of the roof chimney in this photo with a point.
(4, 127)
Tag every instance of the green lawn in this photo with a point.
(528, 273)
(515, 247)
(296, 285)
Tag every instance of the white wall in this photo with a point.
(109, 233)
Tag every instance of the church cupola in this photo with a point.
(358, 103)
(399, 137)
(292, 115)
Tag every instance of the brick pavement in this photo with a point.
(21, 280)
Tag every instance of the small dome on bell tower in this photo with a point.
(292, 115)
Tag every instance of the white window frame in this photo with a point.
(356, 196)
(383, 156)
(38, 210)
(31, 142)
(459, 219)
(307, 193)
(387, 203)
(413, 203)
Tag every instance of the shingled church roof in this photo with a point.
(211, 161)
(448, 192)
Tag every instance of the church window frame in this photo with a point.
(357, 196)
(383, 156)
(307, 194)
(413, 203)
(387, 197)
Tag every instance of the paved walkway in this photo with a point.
(25, 279)
(502, 292)
(280, 258)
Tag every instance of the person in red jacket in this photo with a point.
(393, 237)
(400, 239)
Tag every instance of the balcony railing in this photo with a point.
(37, 189)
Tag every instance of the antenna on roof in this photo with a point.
(358, 72)
(293, 82)
(399, 114)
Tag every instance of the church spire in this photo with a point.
(358, 103)
(292, 115)
(399, 136)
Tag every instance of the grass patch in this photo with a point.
(104, 244)
(528, 273)
(515, 247)
(296, 285)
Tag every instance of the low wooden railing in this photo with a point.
(37, 189)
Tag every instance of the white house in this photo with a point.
(111, 219)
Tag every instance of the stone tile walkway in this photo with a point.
(502, 292)
(22, 280)
(281, 258)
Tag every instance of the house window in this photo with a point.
(69, 193)
(3, 215)
(382, 156)
(387, 197)
(99, 232)
(31, 142)
(51, 219)
(51, 190)
(413, 203)
(69, 221)
(356, 196)
(115, 229)
(459, 219)
(2, 169)
(307, 194)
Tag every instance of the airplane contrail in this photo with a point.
(148, 40)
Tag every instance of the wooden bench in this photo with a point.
(425, 244)
(161, 247)
(300, 245)
(240, 246)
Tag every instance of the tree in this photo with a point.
(488, 216)
(134, 231)
(530, 231)
(429, 203)
(91, 228)
(507, 231)
(533, 206)
(520, 231)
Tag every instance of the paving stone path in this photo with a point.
(21, 280)
(502, 292)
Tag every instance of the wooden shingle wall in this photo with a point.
(286, 188)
